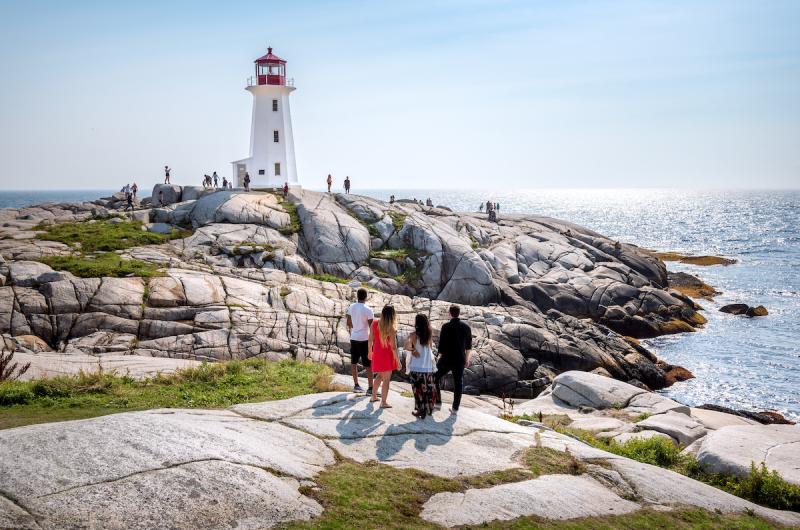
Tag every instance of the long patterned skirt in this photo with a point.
(426, 396)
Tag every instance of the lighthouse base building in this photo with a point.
(271, 163)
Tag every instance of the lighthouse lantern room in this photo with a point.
(271, 162)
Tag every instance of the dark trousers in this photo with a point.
(457, 370)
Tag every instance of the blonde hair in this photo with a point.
(387, 325)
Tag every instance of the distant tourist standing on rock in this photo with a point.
(134, 189)
(166, 174)
(330, 181)
(359, 320)
(455, 347)
(391, 199)
(224, 183)
(480, 208)
(422, 367)
(128, 201)
(216, 180)
(346, 184)
(285, 190)
(246, 181)
(383, 352)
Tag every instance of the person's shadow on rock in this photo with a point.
(333, 405)
(425, 433)
(355, 424)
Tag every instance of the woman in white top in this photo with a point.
(422, 367)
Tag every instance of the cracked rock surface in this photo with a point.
(538, 292)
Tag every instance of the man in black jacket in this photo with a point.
(455, 347)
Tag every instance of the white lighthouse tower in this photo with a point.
(271, 162)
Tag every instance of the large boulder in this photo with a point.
(166, 194)
(683, 428)
(239, 208)
(734, 448)
(584, 389)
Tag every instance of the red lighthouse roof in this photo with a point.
(270, 58)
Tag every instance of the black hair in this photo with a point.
(455, 311)
(362, 295)
(422, 327)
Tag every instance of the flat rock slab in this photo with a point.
(207, 494)
(585, 389)
(445, 444)
(46, 459)
(732, 449)
(548, 406)
(46, 365)
(680, 426)
(549, 496)
(713, 420)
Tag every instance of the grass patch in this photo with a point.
(247, 247)
(397, 254)
(103, 236)
(209, 385)
(646, 519)
(398, 219)
(294, 225)
(694, 260)
(326, 278)
(104, 264)
(373, 495)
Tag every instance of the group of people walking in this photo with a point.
(373, 344)
(130, 191)
(492, 209)
(212, 181)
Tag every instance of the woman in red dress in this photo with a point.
(382, 349)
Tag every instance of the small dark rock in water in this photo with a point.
(758, 311)
(690, 285)
(765, 417)
(735, 309)
(744, 309)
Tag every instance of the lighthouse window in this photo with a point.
(275, 136)
(274, 105)
(260, 171)
(277, 169)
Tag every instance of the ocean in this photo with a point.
(739, 362)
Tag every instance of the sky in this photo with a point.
(413, 94)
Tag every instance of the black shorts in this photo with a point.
(359, 353)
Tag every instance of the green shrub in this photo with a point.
(761, 486)
(15, 393)
(657, 451)
(105, 264)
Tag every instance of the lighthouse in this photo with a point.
(271, 162)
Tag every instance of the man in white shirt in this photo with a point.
(359, 322)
